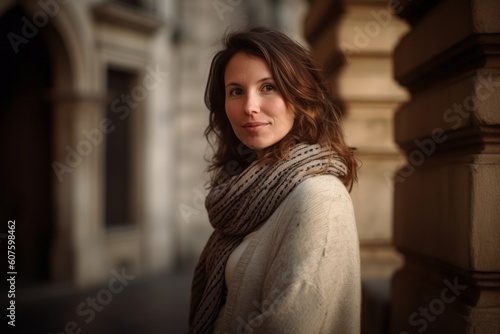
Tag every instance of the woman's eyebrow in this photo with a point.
(261, 80)
(265, 79)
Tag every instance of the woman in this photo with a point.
(284, 256)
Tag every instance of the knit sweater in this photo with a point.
(300, 271)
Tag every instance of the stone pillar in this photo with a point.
(354, 41)
(79, 240)
(447, 197)
(368, 33)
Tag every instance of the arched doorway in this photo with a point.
(26, 144)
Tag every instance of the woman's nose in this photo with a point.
(251, 104)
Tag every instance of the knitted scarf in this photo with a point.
(238, 206)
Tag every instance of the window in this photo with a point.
(133, 3)
(141, 4)
(119, 206)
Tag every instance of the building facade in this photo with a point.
(86, 109)
(446, 194)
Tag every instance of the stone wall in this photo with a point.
(447, 210)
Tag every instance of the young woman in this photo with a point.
(284, 255)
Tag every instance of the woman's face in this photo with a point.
(255, 108)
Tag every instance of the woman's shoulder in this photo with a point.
(320, 186)
(317, 213)
(319, 196)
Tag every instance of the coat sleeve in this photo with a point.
(312, 285)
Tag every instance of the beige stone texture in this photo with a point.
(447, 194)
(366, 35)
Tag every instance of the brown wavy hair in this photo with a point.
(298, 79)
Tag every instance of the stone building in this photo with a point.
(88, 144)
(446, 195)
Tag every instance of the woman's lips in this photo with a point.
(254, 126)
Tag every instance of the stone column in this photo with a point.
(354, 41)
(79, 240)
(447, 197)
(368, 33)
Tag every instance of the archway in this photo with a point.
(26, 143)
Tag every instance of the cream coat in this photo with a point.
(300, 271)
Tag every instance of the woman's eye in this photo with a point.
(235, 92)
(268, 87)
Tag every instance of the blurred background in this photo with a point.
(103, 154)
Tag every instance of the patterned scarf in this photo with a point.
(235, 208)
